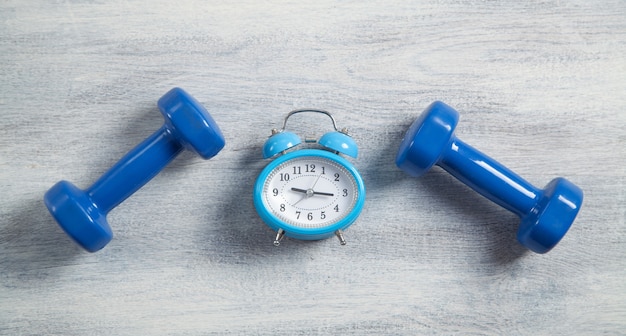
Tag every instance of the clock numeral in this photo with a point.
(345, 193)
(336, 208)
(275, 191)
(282, 208)
(284, 177)
(336, 177)
(308, 168)
(323, 170)
(309, 215)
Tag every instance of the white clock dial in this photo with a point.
(310, 192)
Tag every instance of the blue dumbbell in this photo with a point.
(546, 214)
(82, 214)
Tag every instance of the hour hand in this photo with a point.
(299, 190)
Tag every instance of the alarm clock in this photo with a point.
(309, 193)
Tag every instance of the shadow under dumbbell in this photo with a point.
(135, 127)
(32, 244)
(489, 222)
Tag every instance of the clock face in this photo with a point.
(310, 192)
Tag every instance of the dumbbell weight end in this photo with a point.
(543, 227)
(78, 216)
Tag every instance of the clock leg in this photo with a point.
(279, 236)
(339, 235)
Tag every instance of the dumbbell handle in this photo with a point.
(135, 169)
(489, 178)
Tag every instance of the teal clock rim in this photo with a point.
(308, 233)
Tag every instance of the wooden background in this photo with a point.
(540, 86)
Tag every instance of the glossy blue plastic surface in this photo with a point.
(307, 233)
(280, 142)
(82, 214)
(546, 214)
(340, 142)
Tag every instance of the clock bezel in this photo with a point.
(303, 233)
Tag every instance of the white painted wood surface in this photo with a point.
(541, 86)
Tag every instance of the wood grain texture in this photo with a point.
(540, 86)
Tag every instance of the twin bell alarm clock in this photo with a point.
(309, 193)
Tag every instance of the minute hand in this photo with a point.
(314, 192)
